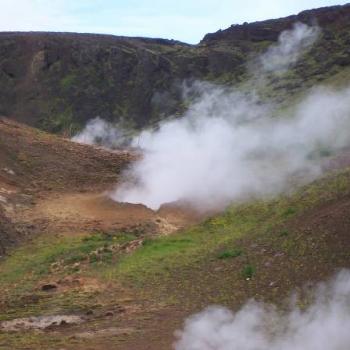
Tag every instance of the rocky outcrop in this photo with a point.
(269, 30)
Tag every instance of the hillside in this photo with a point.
(58, 81)
(81, 269)
(49, 183)
(34, 164)
(111, 274)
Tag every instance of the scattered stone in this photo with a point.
(9, 171)
(109, 313)
(49, 287)
(75, 266)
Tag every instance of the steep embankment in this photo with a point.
(57, 81)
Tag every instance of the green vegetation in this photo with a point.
(62, 123)
(160, 256)
(284, 233)
(166, 254)
(289, 211)
(234, 253)
(68, 81)
(154, 264)
(31, 262)
(248, 271)
(31, 339)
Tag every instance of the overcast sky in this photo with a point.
(185, 20)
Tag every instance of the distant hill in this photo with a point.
(57, 81)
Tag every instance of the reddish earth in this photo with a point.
(50, 183)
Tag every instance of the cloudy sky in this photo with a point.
(185, 20)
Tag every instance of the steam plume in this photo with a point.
(291, 45)
(324, 325)
(228, 147)
(100, 132)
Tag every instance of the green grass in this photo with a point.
(289, 211)
(68, 81)
(158, 259)
(163, 255)
(234, 253)
(31, 340)
(52, 258)
(248, 271)
(33, 261)
(284, 233)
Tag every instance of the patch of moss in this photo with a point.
(248, 271)
(234, 253)
(68, 81)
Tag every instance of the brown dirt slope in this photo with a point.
(34, 164)
(35, 161)
(50, 184)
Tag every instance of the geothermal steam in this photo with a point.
(324, 325)
(291, 45)
(227, 146)
(100, 132)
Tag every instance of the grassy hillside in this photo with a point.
(261, 249)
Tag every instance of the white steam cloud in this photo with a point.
(323, 325)
(291, 45)
(228, 146)
(100, 132)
